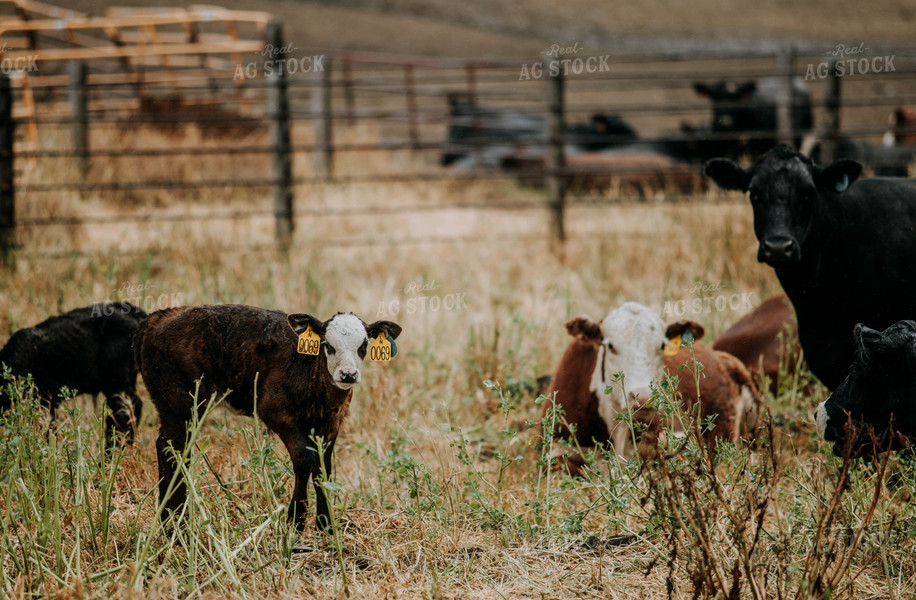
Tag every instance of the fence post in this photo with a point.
(556, 158)
(78, 115)
(476, 139)
(321, 109)
(412, 134)
(831, 117)
(349, 99)
(280, 141)
(785, 97)
(7, 203)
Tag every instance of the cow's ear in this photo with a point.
(392, 329)
(727, 174)
(702, 89)
(838, 176)
(870, 342)
(584, 329)
(682, 328)
(300, 322)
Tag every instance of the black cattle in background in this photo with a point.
(602, 132)
(744, 115)
(884, 160)
(87, 350)
(843, 249)
(481, 135)
(878, 398)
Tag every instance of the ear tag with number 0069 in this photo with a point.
(309, 342)
(382, 348)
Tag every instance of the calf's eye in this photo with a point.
(362, 349)
(330, 348)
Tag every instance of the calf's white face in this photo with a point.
(631, 340)
(344, 342)
(633, 343)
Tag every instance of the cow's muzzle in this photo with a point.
(778, 251)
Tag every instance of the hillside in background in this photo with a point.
(480, 28)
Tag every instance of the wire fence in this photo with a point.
(262, 134)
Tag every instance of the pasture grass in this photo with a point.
(441, 486)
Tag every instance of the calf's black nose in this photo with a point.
(348, 377)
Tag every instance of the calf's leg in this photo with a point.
(120, 420)
(322, 511)
(172, 433)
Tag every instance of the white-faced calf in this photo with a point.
(632, 340)
(300, 395)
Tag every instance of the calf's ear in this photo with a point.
(300, 322)
(584, 329)
(682, 328)
(838, 176)
(391, 328)
(727, 174)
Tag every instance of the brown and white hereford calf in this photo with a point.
(764, 339)
(632, 340)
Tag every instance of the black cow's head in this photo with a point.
(731, 111)
(878, 396)
(785, 188)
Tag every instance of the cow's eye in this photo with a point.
(663, 346)
(330, 348)
(362, 349)
(611, 348)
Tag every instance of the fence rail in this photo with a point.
(86, 128)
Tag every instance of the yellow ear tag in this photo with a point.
(309, 342)
(380, 349)
(673, 345)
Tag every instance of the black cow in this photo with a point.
(87, 350)
(878, 398)
(842, 249)
(744, 114)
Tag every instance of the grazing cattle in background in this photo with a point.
(878, 397)
(480, 135)
(765, 340)
(842, 248)
(632, 340)
(256, 352)
(745, 114)
(86, 350)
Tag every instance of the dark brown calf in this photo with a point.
(254, 351)
(763, 339)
